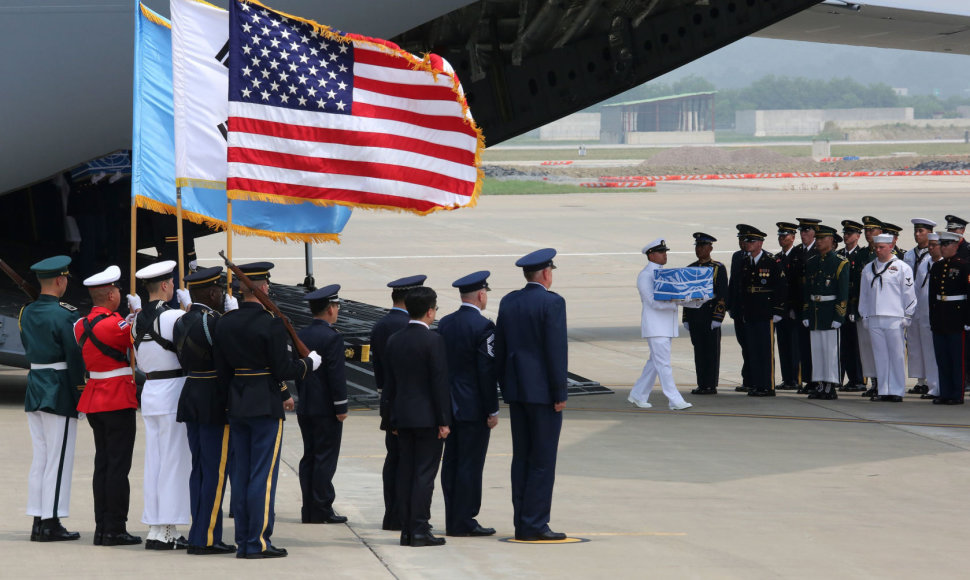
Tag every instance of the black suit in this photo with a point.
(789, 329)
(734, 309)
(417, 393)
(392, 322)
(470, 338)
(322, 396)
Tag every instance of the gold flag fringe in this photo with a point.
(153, 17)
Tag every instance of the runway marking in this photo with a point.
(786, 417)
(565, 541)
(631, 533)
(430, 257)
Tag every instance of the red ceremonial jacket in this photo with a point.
(115, 393)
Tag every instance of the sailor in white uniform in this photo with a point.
(887, 302)
(918, 344)
(659, 323)
(168, 461)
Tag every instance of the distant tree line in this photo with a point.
(781, 92)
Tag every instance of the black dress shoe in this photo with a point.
(179, 543)
(51, 530)
(269, 552)
(334, 519)
(429, 539)
(476, 531)
(928, 396)
(704, 391)
(35, 529)
(405, 539)
(953, 402)
(939, 401)
(548, 536)
(894, 399)
(919, 390)
(98, 538)
(871, 393)
(119, 539)
(150, 544)
(217, 548)
(741, 389)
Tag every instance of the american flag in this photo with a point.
(315, 114)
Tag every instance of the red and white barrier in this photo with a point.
(613, 184)
(785, 175)
(556, 163)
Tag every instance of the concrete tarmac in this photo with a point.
(736, 487)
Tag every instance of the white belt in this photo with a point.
(822, 298)
(58, 366)
(120, 372)
(954, 298)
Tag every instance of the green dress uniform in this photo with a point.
(825, 296)
(705, 336)
(53, 389)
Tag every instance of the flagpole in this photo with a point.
(229, 244)
(134, 246)
(309, 283)
(178, 231)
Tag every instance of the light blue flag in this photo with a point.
(153, 157)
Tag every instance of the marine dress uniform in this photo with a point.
(252, 358)
(704, 324)
(788, 328)
(109, 402)
(959, 225)
(849, 334)
(168, 460)
(396, 319)
(531, 357)
(470, 342)
(322, 398)
(887, 302)
(762, 303)
(825, 296)
(53, 387)
(949, 287)
(202, 409)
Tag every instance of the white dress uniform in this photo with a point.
(659, 323)
(919, 338)
(887, 301)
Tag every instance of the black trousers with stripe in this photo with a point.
(254, 470)
(209, 445)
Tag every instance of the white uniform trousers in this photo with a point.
(920, 354)
(865, 350)
(168, 464)
(49, 482)
(657, 365)
(825, 356)
(888, 350)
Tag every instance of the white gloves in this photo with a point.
(193, 265)
(805, 323)
(130, 319)
(865, 323)
(966, 328)
(852, 318)
(317, 359)
(134, 302)
(791, 314)
(776, 318)
(230, 303)
(687, 326)
(836, 325)
(185, 299)
(906, 322)
(715, 325)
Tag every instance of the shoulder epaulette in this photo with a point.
(68, 307)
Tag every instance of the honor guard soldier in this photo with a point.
(470, 340)
(734, 301)
(530, 353)
(894, 231)
(918, 259)
(53, 386)
(849, 334)
(704, 323)
(787, 330)
(168, 461)
(958, 225)
(396, 319)
(825, 296)
(763, 291)
(801, 254)
(253, 359)
(322, 408)
(887, 301)
(417, 392)
(109, 402)
(872, 227)
(202, 408)
(658, 324)
(920, 351)
(949, 287)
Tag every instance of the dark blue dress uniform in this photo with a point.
(706, 340)
(396, 319)
(800, 256)
(253, 359)
(787, 330)
(734, 304)
(416, 389)
(531, 357)
(202, 407)
(470, 339)
(322, 395)
(949, 314)
(849, 334)
(762, 296)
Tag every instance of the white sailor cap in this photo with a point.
(923, 223)
(658, 245)
(157, 272)
(933, 237)
(950, 237)
(883, 239)
(106, 278)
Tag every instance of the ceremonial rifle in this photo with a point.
(267, 303)
(20, 282)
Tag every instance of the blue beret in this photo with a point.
(204, 277)
(327, 293)
(52, 267)
(408, 282)
(472, 282)
(537, 260)
(257, 270)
